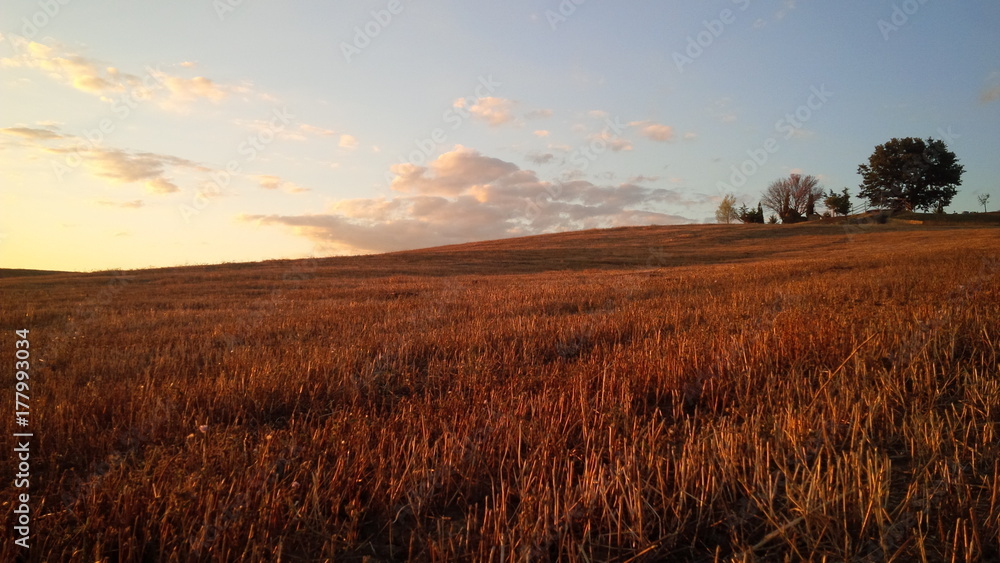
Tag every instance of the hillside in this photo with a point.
(684, 393)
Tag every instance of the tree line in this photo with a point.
(901, 175)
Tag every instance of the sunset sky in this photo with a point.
(137, 134)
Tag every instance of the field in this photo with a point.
(693, 393)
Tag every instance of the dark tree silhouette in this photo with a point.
(793, 198)
(749, 215)
(908, 174)
(838, 203)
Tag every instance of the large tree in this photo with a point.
(911, 173)
(793, 198)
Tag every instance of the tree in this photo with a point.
(910, 173)
(773, 219)
(748, 215)
(793, 198)
(983, 199)
(839, 204)
(726, 213)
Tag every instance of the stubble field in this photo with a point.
(684, 393)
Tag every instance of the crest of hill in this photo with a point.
(621, 248)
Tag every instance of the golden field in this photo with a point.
(692, 393)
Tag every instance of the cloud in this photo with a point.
(31, 133)
(654, 131)
(541, 133)
(453, 173)
(495, 111)
(134, 204)
(464, 196)
(690, 136)
(184, 91)
(93, 77)
(152, 170)
(642, 179)
(615, 143)
(348, 142)
(540, 158)
(161, 185)
(991, 92)
(269, 182)
(539, 114)
(314, 130)
(123, 167)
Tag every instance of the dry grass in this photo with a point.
(684, 393)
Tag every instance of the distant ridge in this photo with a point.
(20, 273)
(642, 247)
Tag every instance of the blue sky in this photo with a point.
(247, 130)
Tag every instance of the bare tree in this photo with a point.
(983, 199)
(726, 213)
(793, 198)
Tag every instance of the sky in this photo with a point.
(146, 134)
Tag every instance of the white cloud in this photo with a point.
(348, 142)
(124, 167)
(184, 91)
(463, 196)
(108, 82)
(614, 142)
(453, 173)
(654, 131)
(121, 167)
(161, 185)
(134, 204)
(492, 110)
(270, 182)
(31, 133)
(314, 130)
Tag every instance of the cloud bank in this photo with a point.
(464, 195)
